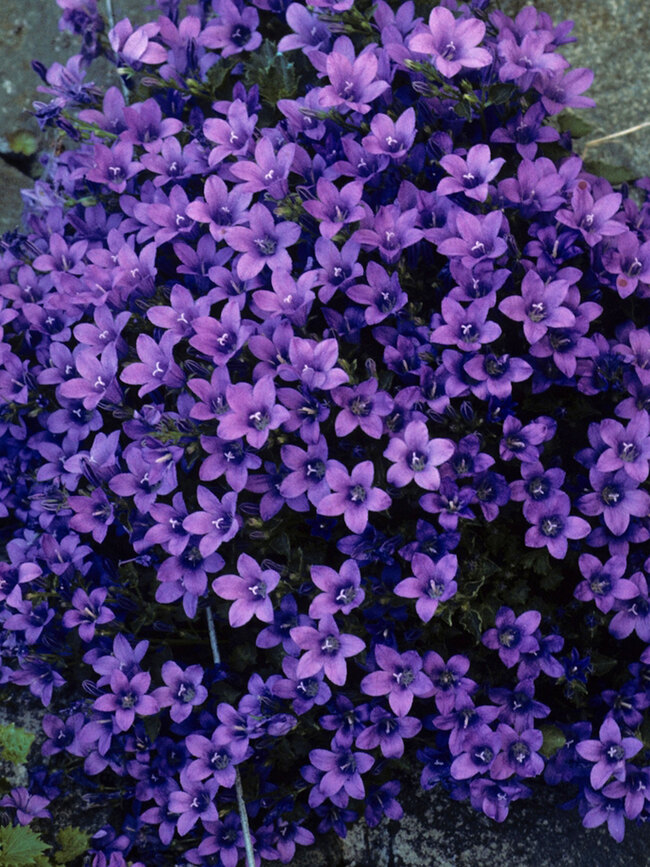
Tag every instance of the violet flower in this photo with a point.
(263, 242)
(400, 678)
(415, 457)
(431, 583)
(88, 612)
(249, 590)
(609, 753)
(342, 770)
(182, 691)
(353, 495)
(451, 42)
(469, 175)
(326, 648)
(512, 635)
(353, 80)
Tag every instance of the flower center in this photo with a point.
(330, 645)
(346, 595)
(628, 452)
(610, 495)
(358, 494)
(509, 636)
(551, 526)
(308, 687)
(615, 753)
(360, 406)
(266, 245)
(417, 461)
(404, 677)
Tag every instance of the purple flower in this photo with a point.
(450, 686)
(400, 678)
(253, 412)
(127, 698)
(249, 589)
(113, 166)
(553, 527)
(634, 611)
(215, 757)
(391, 230)
(342, 770)
(335, 208)
(518, 753)
(512, 635)
(592, 217)
(354, 496)
(475, 238)
(232, 136)
(194, 802)
(561, 91)
(604, 583)
(308, 471)
(263, 242)
(234, 30)
(62, 734)
(217, 523)
(415, 457)
(88, 612)
(393, 138)
(382, 295)
(27, 806)
(305, 691)
(629, 448)
(635, 789)
(616, 497)
(479, 752)
(451, 42)
(609, 753)
(353, 80)
(469, 175)
(269, 171)
(465, 328)
(605, 809)
(340, 591)
(431, 584)
(388, 732)
(326, 648)
(183, 690)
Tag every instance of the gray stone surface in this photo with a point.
(613, 40)
(438, 832)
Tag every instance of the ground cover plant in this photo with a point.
(324, 392)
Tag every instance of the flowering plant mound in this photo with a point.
(324, 404)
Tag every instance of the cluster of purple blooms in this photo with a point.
(365, 376)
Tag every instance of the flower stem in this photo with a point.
(239, 789)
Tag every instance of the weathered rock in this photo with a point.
(439, 832)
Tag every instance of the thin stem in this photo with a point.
(110, 19)
(239, 789)
(597, 141)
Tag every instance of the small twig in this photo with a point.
(110, 19)
(631, 129)
(239, 789)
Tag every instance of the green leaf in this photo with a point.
(614, 174)
(553, 741)
(571, 122)
(499, 94)
(20, 846)
(15, 743)
(72, 843)
(23, 142)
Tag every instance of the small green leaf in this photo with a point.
(20, 846)
(568, 121)
(23, 142)
(553, 741)
(15, 743)
(614, 174)
(72, 843)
